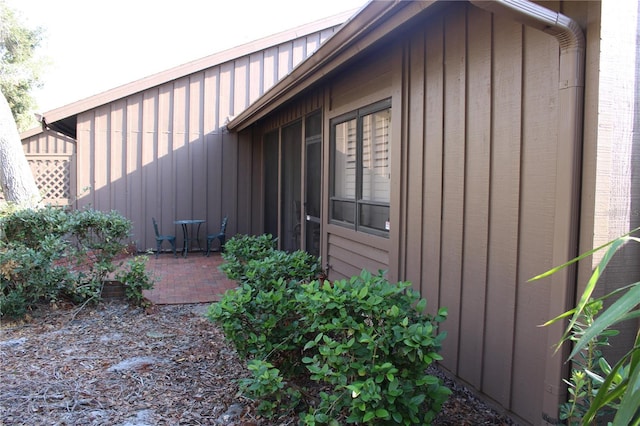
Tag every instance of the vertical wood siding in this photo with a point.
(292, 112)
(368, 81)
(475, 97)
(478, 101)
(481, 139)
(476, 209)
(164, 152)
(453, 163)
(504, 216)
(49, 142)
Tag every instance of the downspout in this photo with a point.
(568, 169)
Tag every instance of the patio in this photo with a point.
(180, 280)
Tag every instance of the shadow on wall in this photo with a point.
(165, 178)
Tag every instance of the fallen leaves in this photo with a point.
(113, 363)
(116, 364)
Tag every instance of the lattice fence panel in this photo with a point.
(53, 177)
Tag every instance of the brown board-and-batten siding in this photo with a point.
(480, 93)
(486, 134)
(473, 187)
(164, 152)
(474, 146)
(367, 81)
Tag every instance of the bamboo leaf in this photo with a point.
(592, 302)
(606, 394)
(569, 263)
(635, 356)
(614, 314)
(591, 285)
(630, 400)
(584, 255)
(621, 385)
(559, 317)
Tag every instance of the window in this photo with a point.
(360, 169)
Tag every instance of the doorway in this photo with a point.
(291, 188)
(292, 179)
(313, 169)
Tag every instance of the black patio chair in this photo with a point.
(162, 238)
(221, 236)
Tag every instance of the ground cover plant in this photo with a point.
(348, 351)
(50, 254)
(596, 388)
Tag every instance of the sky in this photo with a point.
(93, 46)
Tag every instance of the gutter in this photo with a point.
(563, 284)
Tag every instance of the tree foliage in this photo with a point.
(20, 67)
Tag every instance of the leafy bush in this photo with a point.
(30, 227)
(619, 387)
(268, 386)
(135, 278)
(241, 249)
(49, 253)
(96, 239)
(372, 345)
(589, 366)
(350, 351)
(261, 315)
(28, 275)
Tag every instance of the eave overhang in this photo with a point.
(372, 23)
(63, 119)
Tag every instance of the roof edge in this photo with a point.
(191, 67)
(332, 54)
(30, 132)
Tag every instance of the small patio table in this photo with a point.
(185, 223)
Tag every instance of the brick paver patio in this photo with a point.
(194, 279)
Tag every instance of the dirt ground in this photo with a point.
(114, 364)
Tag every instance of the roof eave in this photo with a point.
(370, 24)
(188, 68)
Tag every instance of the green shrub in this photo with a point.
(261, 316)
(241, 249)
(96, 239)
(372, 345)
(30, 227)
(29, 275)
(14, 304)
(296, 266)
(135, 278)
(49, 253)
(350, 351)
(267, 385)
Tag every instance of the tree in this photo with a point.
(19, 73)
(16, 178)
(20, 68)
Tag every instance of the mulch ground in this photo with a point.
(114, 364)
